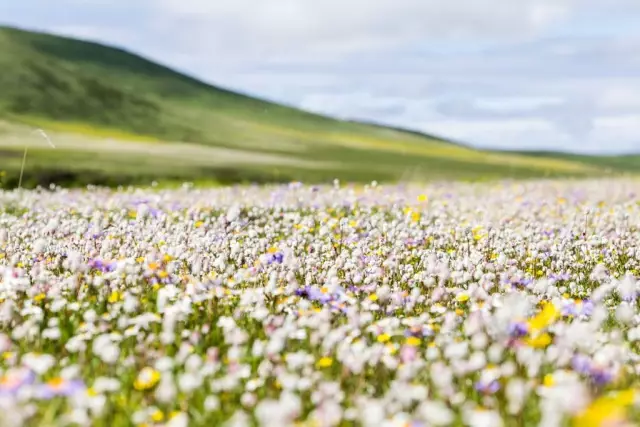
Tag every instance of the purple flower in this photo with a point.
(12, 381)
(570, 309)
(518, 329)
(313, 294)
(487, 387)
(96, 263)
(526, 282)
(317, 295)
(59, 387)
(601, 376)
(303, 292)
(102, 266)
(587, 308)
(581, 364)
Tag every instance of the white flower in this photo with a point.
(188, 382)
(166, 391)
(110, 353)
(179, 420)
(483, 418)
(106, 384)
(39, 246)
(516, 392)
(625, 313)
(211, 403)
(39, 363)
(627, 287)
(51, 333)
(435, 413)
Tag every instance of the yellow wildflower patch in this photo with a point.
(539, 341)
(383, 338)
(607, 410)
(324, 362)
(147, 379)
(114, 297)
(413, 341)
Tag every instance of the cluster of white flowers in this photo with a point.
(448, 304)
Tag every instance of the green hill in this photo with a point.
(118, 118)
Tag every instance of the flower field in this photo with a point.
(487, 305)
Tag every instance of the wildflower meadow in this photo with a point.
(448, 304)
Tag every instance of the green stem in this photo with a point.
(24, 160)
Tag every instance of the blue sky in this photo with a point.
(518, 74)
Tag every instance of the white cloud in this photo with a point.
(516, 104)
(306, 28)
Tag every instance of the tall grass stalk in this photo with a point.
(26, 149)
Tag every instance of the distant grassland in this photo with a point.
(118, 119)
(81, 159)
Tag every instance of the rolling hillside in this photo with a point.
(117, 118)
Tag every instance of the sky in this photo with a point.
(509, 74)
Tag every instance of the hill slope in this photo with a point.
(119, 118)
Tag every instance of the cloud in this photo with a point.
(292, 29)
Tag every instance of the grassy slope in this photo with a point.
(118, 118)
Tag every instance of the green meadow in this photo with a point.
(118, 119)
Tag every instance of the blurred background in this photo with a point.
(239, 91)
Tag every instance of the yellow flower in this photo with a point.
(422, 198)
(477, 232)
(167, 258)
(140, 259)
(539, 341)
(462, 297)
(39, 297)
(413, 341)
(605, 411)
(415, 216)
(199, 224)
(373, 297)
(272, 250)
(163, 274)
(147, 378)
(114, 297)
(383, 338)
(157, 416)
(548, 380)
(546, 317)
(325, 362)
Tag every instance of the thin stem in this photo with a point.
(24, 160)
